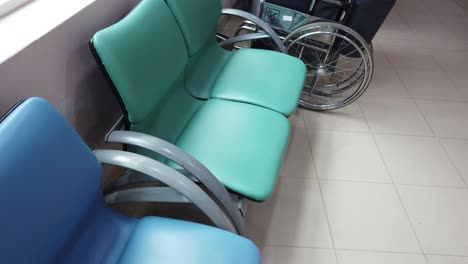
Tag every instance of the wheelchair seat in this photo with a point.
(145, 57)
(54, 211)
(261, 77)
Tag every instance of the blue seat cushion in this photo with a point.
(168, 241)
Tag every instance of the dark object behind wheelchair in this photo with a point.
(363, 16)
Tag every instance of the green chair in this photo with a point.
(260, 77)
(147, 61)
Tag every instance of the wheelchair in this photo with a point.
(322, 34)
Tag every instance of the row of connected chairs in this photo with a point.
(208, 125)
(53, 210)
(217, 116)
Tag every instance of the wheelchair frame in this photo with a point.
(300, 27)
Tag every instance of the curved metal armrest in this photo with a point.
(241, 38)
(188, 163)
(262, 24)
(170, 177)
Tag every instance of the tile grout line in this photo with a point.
(437, 136)
(442, 69)
(376, 182)
(429, 125)
(405, 22)
(449, 77)
(415, 103)
(364, 250)
(396, 191)
(442, 146)
(453, 163)
(320, 188)
(399, 184)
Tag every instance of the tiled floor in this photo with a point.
(385, 180)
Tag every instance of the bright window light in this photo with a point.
(7, 6)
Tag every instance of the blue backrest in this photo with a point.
(49, 179)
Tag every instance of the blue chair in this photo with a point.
(52, 209)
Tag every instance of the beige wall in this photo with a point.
(60, 68)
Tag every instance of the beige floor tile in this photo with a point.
(347, 156)
(439, 216)
(411, 7)
(349, 118)
(294, 216)
(418, 160)
(394, 29)
(297, 119)
(418, 20)
(412, 41)
(367, 216)
(446, 260)
(380, 60)
(452, 61)
(430, 85)
(447, 119)
(365, 257)
(299, 162)
(460, 81)
(394, 116)
(457, 149)
(404, 58)
(295, 255)
(386, 83)
(449, 8)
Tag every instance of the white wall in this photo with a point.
(60, 68)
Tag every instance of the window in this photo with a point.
(7, 6)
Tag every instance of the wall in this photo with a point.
(60, 68)
(226, 3)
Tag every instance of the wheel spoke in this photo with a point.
(347, 68)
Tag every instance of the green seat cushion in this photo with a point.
(242, 144)
(262, 77)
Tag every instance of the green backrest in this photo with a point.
(198, 20)
(145, 56)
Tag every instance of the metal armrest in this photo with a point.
(170, 177)
(188, 163)
(260, 23)
(252, 36)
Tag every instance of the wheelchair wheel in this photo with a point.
(339, 64)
